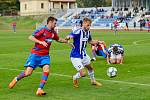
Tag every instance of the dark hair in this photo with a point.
(51, 19)
(115, 49)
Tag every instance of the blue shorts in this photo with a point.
(35, 60)
(101, 53)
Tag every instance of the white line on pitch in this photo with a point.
(136, 42)
(113, 81)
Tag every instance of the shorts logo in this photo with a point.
(29, 63)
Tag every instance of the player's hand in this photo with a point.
(71, 44)
(107, 53)
(108, 63)
(101, 42)
(43, 43)
(67, 38)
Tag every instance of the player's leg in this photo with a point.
(93, 53)
(30, 66)
(45, 65)
(101, 52)
(86, 62)
(113, 59)
(80, 68)
(91, 75)
(28, 71)
(115, 30)
(118, 59)
(148, 28)
(14, 28)
(45, 75)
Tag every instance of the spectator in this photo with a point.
(134, 25)
(148, 25)
(14, 26)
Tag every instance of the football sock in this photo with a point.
(91, 74)
(76, 76)
(44, 79)
(20, 76)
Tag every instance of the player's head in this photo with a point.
(51, 22)
(86, 24)
(75, 16)
(115, 49)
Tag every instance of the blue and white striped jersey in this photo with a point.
(120, 49)
(74, 22)
(80, 40)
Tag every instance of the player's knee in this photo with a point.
(118, 61)
(27, 74)
(113, 61)
(82, 73)
(90, 68)
(46, 68)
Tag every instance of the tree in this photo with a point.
(9, 6)
(93, 3)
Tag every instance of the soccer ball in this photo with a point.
(111, 71)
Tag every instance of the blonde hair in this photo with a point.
(87, 20)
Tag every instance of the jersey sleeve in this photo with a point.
(38, 32)
(75, 33)
(121, 50)
(90, 38)
(109, 50)
(56, 37)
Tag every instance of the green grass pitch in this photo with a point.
(132, 81)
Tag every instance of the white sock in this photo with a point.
(91, 74)
(76, 76)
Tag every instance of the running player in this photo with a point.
(78, 56)
(39, 56)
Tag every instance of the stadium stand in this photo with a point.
(103, 17)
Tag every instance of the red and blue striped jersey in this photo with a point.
(100, 46)
(43, 34)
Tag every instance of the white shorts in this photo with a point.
(113, 56)
(79, 63)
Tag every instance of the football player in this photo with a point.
(116, 54)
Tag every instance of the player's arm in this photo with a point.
(61, 40)
(35, 35)
(122, 57)
(108, 59)
(93, 42)
(121, 60)
(34, 39)
(103, 48)
(68, 38)
(108, 56)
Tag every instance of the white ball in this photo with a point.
(111, 71)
